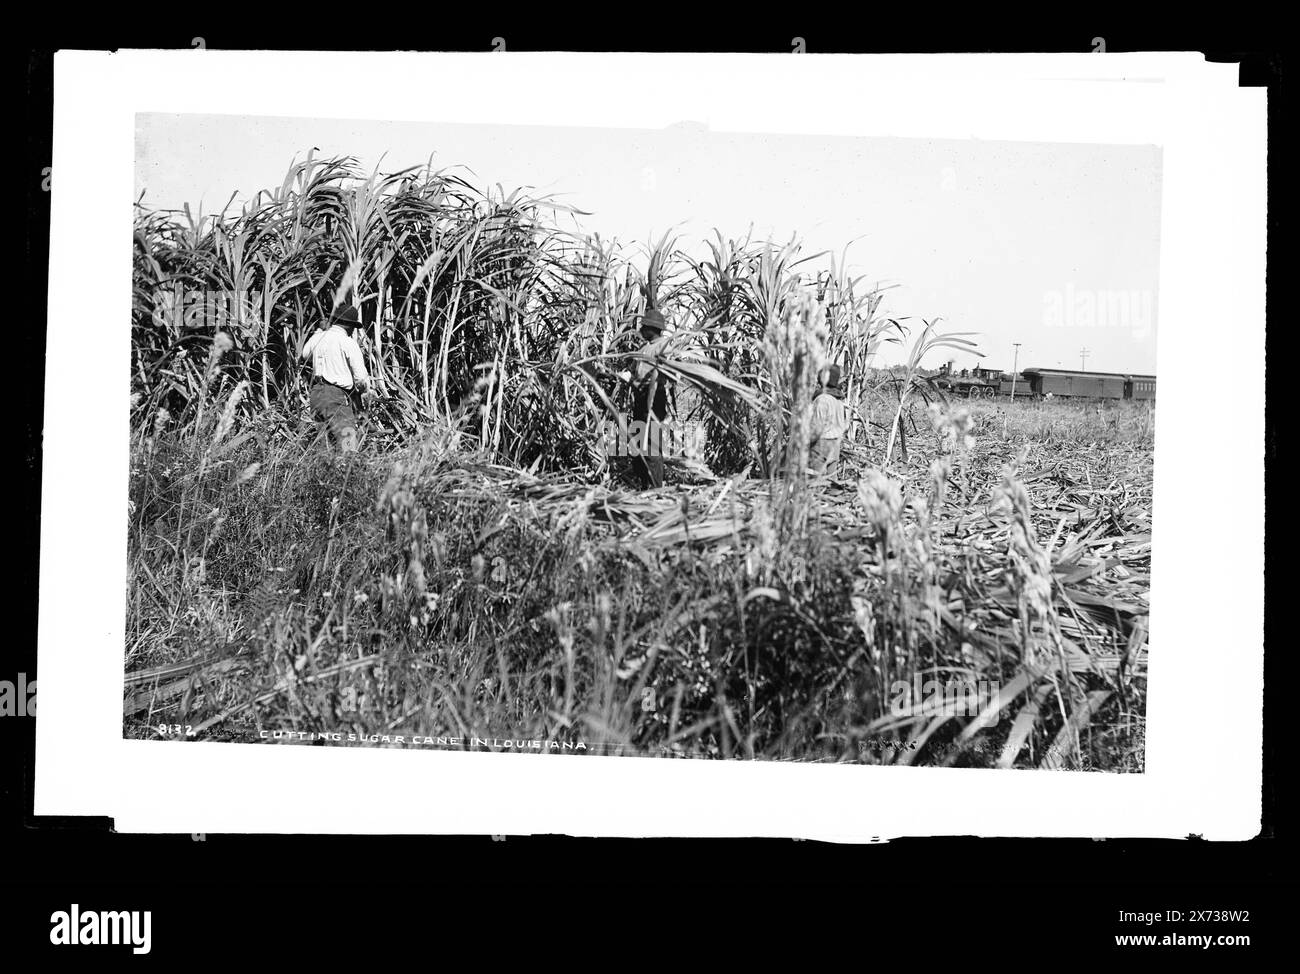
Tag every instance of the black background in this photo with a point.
(923, 902)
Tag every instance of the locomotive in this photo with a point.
(968, 382)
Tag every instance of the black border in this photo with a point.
(1018, 892)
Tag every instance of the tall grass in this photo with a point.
(479, 306)
(472, 569)
(423, 590)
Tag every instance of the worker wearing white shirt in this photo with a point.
(339, 376)
(829, 423)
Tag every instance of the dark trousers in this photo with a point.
(334, 408)
(649, 470)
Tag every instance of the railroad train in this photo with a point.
(1083, 385)
(1038, 383)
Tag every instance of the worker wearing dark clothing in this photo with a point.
(650, 404)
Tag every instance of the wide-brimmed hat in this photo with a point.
(345, 315)
(653, 320)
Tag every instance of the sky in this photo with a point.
(1052, 246)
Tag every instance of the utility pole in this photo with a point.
(1015, 368)
(1083, 359)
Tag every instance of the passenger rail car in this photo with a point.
(1087, 385)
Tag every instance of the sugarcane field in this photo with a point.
(422, 459)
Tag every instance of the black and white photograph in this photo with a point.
(631, 442)
(474, 473)
(877, 458)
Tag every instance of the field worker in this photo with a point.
(828, 425)
(650, 402)
(338, 376)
